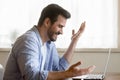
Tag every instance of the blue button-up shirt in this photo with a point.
(25, 58)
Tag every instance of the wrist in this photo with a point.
(68, 74)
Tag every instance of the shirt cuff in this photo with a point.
(43, 75)
(64, 63)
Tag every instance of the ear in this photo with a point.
(47, 22)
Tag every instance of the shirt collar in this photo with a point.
(38, 35)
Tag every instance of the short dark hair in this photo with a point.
(52, 11)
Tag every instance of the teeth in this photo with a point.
(58, 33)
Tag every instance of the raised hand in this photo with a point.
(75, 36)
(80, 31)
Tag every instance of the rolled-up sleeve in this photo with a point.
(64, 63)
(28, 59)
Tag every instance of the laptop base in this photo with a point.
(87, 79)
(90, 77)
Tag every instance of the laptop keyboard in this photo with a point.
(89, 77)
(95, 76)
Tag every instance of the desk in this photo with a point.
(111, 76)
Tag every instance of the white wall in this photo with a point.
(119, 24)
(3, 56)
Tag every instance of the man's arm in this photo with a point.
(75, 36)
(73, 71)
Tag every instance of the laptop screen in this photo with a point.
(95, 76)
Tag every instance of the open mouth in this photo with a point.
(57, 33)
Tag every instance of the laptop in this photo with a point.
(95, 76)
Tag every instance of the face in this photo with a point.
(57, 28)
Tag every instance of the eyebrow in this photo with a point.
(61, 25)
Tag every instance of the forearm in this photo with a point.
(73, 71)
(58, 75)
(69, 53)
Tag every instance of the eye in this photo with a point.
(60, 26)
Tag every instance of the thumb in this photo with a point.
(73, 32)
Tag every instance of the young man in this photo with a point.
(34, 55)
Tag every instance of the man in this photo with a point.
(34, 55)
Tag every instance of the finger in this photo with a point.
(73, 32)
(91, 68)
(76, 64)
(86, 70)
(82, 27)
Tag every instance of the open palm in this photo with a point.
(75, 36)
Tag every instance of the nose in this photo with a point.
(61, 31)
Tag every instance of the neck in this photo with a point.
(43, 34)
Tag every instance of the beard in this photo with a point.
(53, 35)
